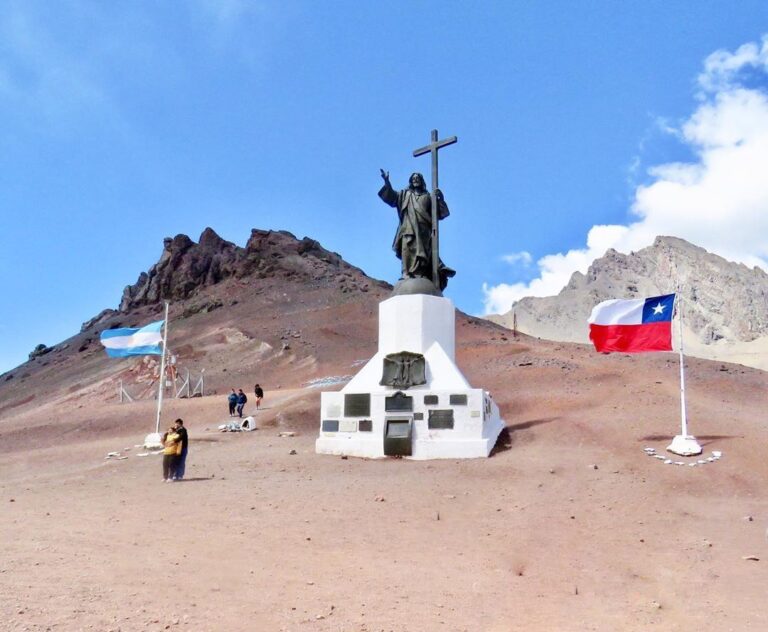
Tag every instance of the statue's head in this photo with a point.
(416, 181)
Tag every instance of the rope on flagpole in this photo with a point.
(162, 370)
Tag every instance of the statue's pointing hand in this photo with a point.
(385, 176)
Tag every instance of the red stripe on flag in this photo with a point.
(632, 338)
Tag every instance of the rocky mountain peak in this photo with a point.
(186, 266)
(724, 302)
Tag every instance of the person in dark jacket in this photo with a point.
(232, 399)
(259, 392)
(181, 461)
(241, 399)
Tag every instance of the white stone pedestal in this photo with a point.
(444, 418)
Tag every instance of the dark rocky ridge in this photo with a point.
(185, 267)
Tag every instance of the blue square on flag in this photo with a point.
(658, 309)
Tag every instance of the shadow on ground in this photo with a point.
(507, 438)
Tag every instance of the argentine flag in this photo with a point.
(127, 342)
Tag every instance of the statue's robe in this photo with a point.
(413, 239)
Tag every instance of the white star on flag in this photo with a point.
(658, 309)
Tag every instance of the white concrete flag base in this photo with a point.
(153, 441)
(684, 445)
(446, 418)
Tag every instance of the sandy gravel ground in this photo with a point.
(568, 526)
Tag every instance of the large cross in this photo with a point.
(432, 148)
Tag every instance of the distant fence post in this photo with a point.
(200, 386)
(123, 393)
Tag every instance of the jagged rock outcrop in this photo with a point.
(724, 300)
(39, 350)
(185, 266)
(103, 315)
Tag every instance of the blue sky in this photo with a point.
(581, 125)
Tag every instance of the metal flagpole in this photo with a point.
(683, 417)
(162, 370)
(683, 444)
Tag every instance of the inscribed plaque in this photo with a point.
(357, 405)
(440, 419)
(399, 402)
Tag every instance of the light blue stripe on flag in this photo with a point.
(127, 341)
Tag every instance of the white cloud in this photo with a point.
(722, 68)
(554, 270)
(718, 201)
(523, 257)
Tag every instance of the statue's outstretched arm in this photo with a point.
(387, 193)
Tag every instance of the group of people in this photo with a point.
(238, 399)
(175, 445)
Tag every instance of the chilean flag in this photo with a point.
(632, 326)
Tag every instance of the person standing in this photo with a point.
(232, 399)
(171, 449)
(181, 463)
(259, 392)
(241, 400)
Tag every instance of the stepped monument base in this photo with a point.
(410, 399)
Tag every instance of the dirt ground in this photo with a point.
(568, 526)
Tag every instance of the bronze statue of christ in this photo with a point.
(413, 240)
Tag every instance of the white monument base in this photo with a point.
(684, 446)
(444, 418)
